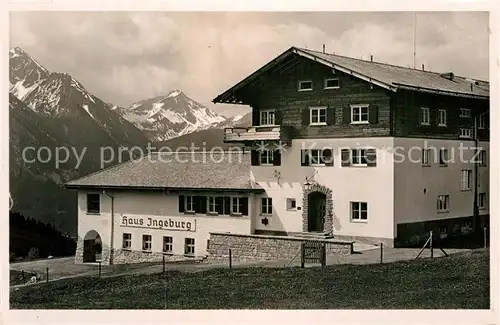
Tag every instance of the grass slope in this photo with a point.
(459, 281)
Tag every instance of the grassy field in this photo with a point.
(458, 281)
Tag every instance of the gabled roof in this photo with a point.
(388, 76)
(184, 170)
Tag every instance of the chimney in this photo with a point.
(423, 67)
(324, 48)
(371, 58)
(471, 87)
(448, 75)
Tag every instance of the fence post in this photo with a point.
(230, 259)
(485, 234)
(381, 253)
(99, 268)
(430, 243)
(323, 255)
(163, 263)
(22, 273)
(47, 277)
(302, 255)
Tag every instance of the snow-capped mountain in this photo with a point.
(26, 73)
(55, 110)
(165, 117)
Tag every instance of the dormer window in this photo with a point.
(305, 85)
(332, 83)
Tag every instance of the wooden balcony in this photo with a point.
(247, 135)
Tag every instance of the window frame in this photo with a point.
(127, 241)
(186, 204)
(426, 116)
(360, 107)
(357, 207)
(360, 163)
(268, 112)
(325, 83)
(318, 109)
(289, 205)
(465, 136)
(442, 113)
(266, 206)
(188, 246)
(446, 203)
(481, 201)
(269, 155)
(98, 196)
(466, 115)
(301, 82)
(481, 121)
(466, 179)
(170, 244)
(239, 205)
(145, 242)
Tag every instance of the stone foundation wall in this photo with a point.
(128, 257)
(261, 247)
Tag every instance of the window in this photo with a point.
(426, 120)
(93, 203)
(443, 157)
(236, 205)
(466, 227)
(267, 117)
(266, 157)
(215, 204)
(465, 133)
(146, 243)
(359, 157)
(168, 243)
(127, 241)
(443, 232)
(359, 114)
(425, 157)
(442, 117)
(481, 200)
(481, 121)
(189, 203)
(305, 85)
(466, 180)
(266, 206)
(291, 204)
(443, 202)
(318, 115)
(317, 157)
(189, 246)
(482, 157)
(332, 83)
(359, 211)
(464, 112)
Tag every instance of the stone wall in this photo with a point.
(261, 247)
(122, 256)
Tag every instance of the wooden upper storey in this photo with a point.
(315, 98)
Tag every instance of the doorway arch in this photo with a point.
(316, 212)
(92, 247)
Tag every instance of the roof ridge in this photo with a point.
(390, 65)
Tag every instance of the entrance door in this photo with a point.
(316, 212)
(92, 247)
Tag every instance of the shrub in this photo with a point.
(33, 254)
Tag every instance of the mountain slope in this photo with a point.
(165, 117)
(59, 115)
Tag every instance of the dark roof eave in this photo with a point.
(442, 92)
(157, 188)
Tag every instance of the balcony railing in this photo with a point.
(256, 133)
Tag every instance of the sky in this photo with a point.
(124, 57)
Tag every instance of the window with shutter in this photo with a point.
(345, 157)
